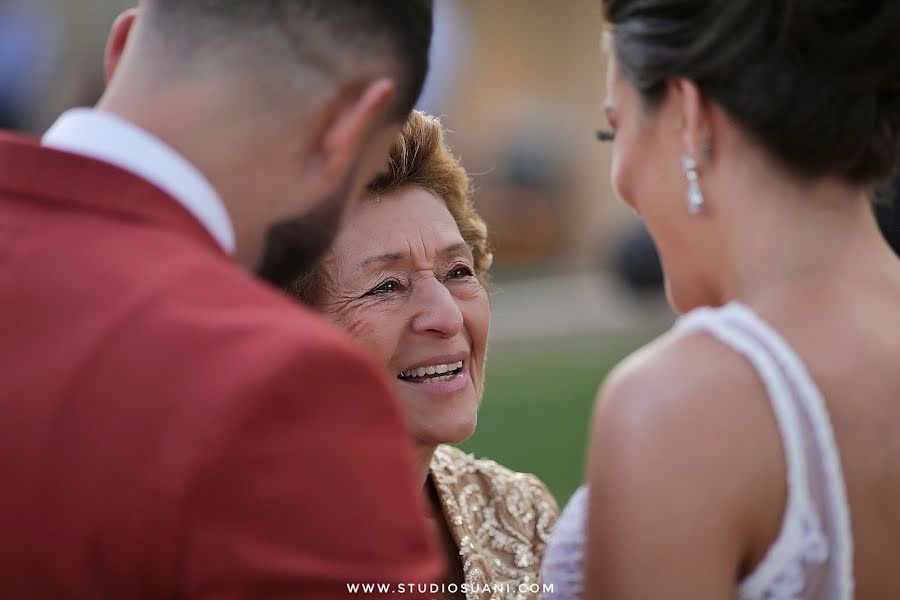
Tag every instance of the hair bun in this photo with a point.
(853, 43)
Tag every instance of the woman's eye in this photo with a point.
(461, 272)
(389, 286)
(609, 135)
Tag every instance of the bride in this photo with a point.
(754, 451)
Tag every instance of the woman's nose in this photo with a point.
(437, 311)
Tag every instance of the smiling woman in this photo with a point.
(407, 278)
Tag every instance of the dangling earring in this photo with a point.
(695, 198)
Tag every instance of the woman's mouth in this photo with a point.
(433, 373)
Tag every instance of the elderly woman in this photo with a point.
(407, 278)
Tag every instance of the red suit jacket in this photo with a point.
(169, 427)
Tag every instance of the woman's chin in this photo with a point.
(445, 431)
(460, 434)
(448, 419)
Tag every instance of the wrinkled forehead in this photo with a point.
(399, 233)
(415, 223)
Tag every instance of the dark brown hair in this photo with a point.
(318, 34)
(816, 82)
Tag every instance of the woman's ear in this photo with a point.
(693, 116)
(118, 39)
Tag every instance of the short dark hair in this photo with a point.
(330, 36)
(816, 82)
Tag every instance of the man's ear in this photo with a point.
(118, 38)
(354, 115)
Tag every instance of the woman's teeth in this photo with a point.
(434, 373)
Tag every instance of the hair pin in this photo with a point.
(605, 135)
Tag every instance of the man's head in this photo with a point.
(288, 107)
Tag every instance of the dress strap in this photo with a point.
(718, 323)
(814, 413)
(815, 530)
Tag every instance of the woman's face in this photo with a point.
(400, 279)
(647, 175)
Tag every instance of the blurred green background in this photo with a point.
(538, 400)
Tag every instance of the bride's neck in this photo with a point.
(782, 236)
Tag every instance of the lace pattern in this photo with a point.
(805, 556)
(500, 519)
(564, 557)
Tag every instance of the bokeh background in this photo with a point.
(520, 83)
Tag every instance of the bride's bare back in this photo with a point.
(850, 341)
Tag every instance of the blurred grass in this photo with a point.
(538, 400)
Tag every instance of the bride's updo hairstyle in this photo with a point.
(815, 82)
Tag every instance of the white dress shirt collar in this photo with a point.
(112, 139)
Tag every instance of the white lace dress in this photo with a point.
(812, 558)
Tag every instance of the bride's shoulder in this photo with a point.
(688, 368)
(685, 455)
(687, 408)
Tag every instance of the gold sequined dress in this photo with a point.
(500, 520)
